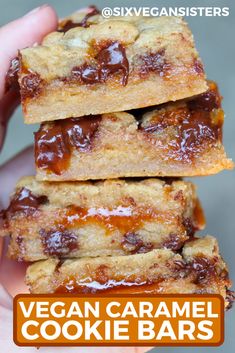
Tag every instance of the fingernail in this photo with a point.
(35, 10)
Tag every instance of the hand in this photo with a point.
(21, 33)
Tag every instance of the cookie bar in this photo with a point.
(92, 65)
(114, 217)
(174, 139)
(197, 269)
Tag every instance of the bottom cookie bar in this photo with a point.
(198, 268)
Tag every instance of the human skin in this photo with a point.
(16, 35)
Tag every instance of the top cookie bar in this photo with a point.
(93, 65)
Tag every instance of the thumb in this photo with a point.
(21, 33)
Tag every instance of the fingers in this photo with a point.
(22, 164)
(5, 298)
(21, 33)
(143, 349)
(7, 106)
(12, 274)
(5, 328)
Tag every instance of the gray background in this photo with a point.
(214, 38)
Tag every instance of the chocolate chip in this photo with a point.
(198, 67)
(52, 151)
(87, 73)
(3, 219)
(206, 101)
(58, 242)
(230, 298)
(53, 145)
(30, 85)
(192, 125)
(24, 201)
(203, 268)
(21, 245)
(173, 242)
(12, 75)
(67, 25)
(189, 227)
(110, 59)
(154, 62)
(133, 244)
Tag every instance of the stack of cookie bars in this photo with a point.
(121, 101)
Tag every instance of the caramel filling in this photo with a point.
(124, 218)
(127, 219)
(110, 287)
(201, 271)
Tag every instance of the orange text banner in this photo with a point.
(94, 320)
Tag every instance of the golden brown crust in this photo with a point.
(111, 65)
(114, 217)
(175, 139)
(198, 269)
